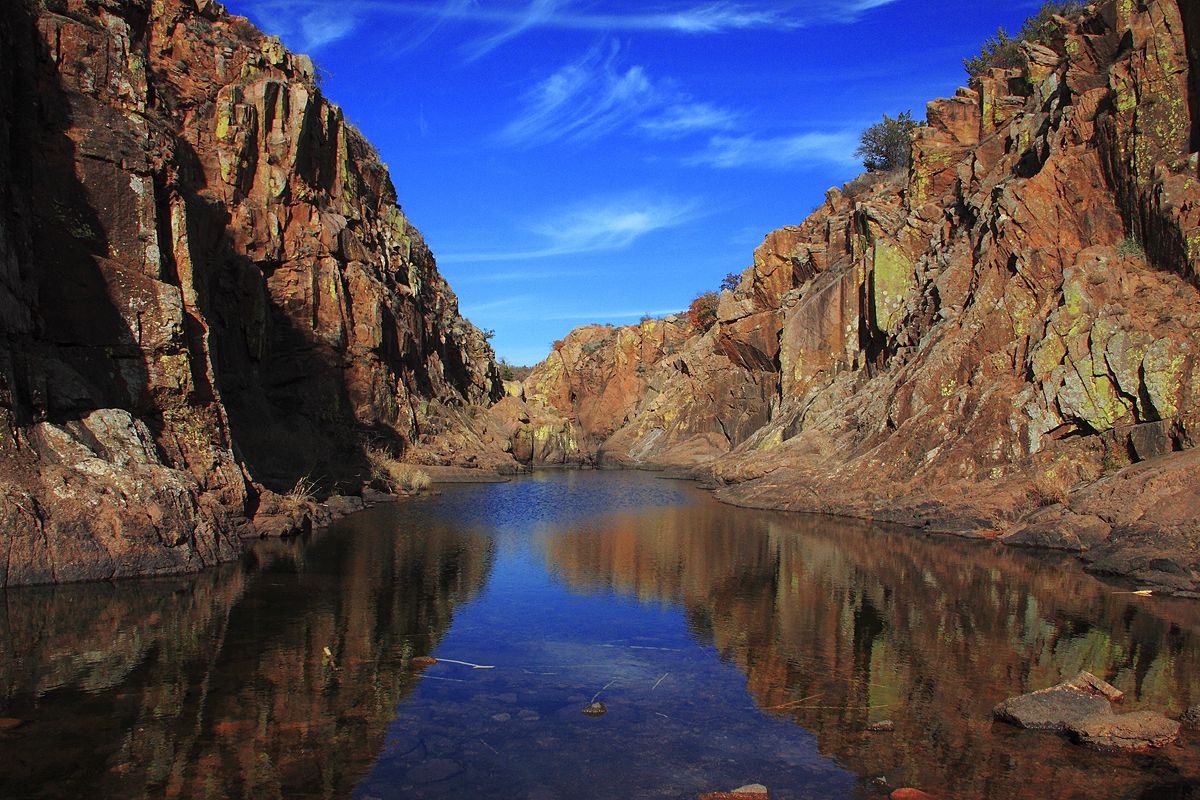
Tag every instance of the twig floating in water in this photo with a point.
(597, 694)
(794, 702)
(465, 663)
(660, 680)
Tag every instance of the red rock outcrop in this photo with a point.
(1004, 337)
(206, 287)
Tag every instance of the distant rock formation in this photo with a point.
(207, 291)
(1005, 341)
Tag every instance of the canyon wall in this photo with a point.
(1001, 342)
(208, 294)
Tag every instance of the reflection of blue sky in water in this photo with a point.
(518, 731)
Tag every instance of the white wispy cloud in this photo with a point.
(319, 28)
(508, 275)
(511, 20)
(609, 224)
(685, 118)
(750, 150)
(583, 100)
(598, 94)
(472, 309)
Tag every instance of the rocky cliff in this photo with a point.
(207, 292)
(1001, 342)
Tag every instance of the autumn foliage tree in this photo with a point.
(702, 313)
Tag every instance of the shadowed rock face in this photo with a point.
(206, 287)
(1001, 341)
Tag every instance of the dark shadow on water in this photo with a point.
(218, 684)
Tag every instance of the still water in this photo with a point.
(729, 646)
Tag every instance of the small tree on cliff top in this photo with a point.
(1004, 52)
(887, 146)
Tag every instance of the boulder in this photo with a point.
(1054, 709)
(1137, 730)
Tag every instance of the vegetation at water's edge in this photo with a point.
(393, 474)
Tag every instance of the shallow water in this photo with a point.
(729, 647)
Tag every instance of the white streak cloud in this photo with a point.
(583, 101)
(594, 227)
(509, 22)
(727, 152)
(685, 118)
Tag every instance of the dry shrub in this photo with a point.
(1053, 484)
(394, 473)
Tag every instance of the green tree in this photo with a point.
(887, 146)
(1004, 52)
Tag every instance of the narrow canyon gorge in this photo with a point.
(210, 296)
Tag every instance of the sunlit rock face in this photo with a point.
(206, 286)
(219, 684)
(1001, 341)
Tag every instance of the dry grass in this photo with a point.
(395, 474)
(301, 496)
(1053, 484)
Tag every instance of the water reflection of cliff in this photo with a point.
(217, 685)
(836, 625)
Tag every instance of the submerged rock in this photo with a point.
(596, 709)
(752, 791)
(1191, 718)
(1137, 730)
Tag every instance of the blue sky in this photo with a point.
(577, 161)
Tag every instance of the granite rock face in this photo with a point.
(1009, 328)
(207, 290)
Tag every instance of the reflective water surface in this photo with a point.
(729, 647)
